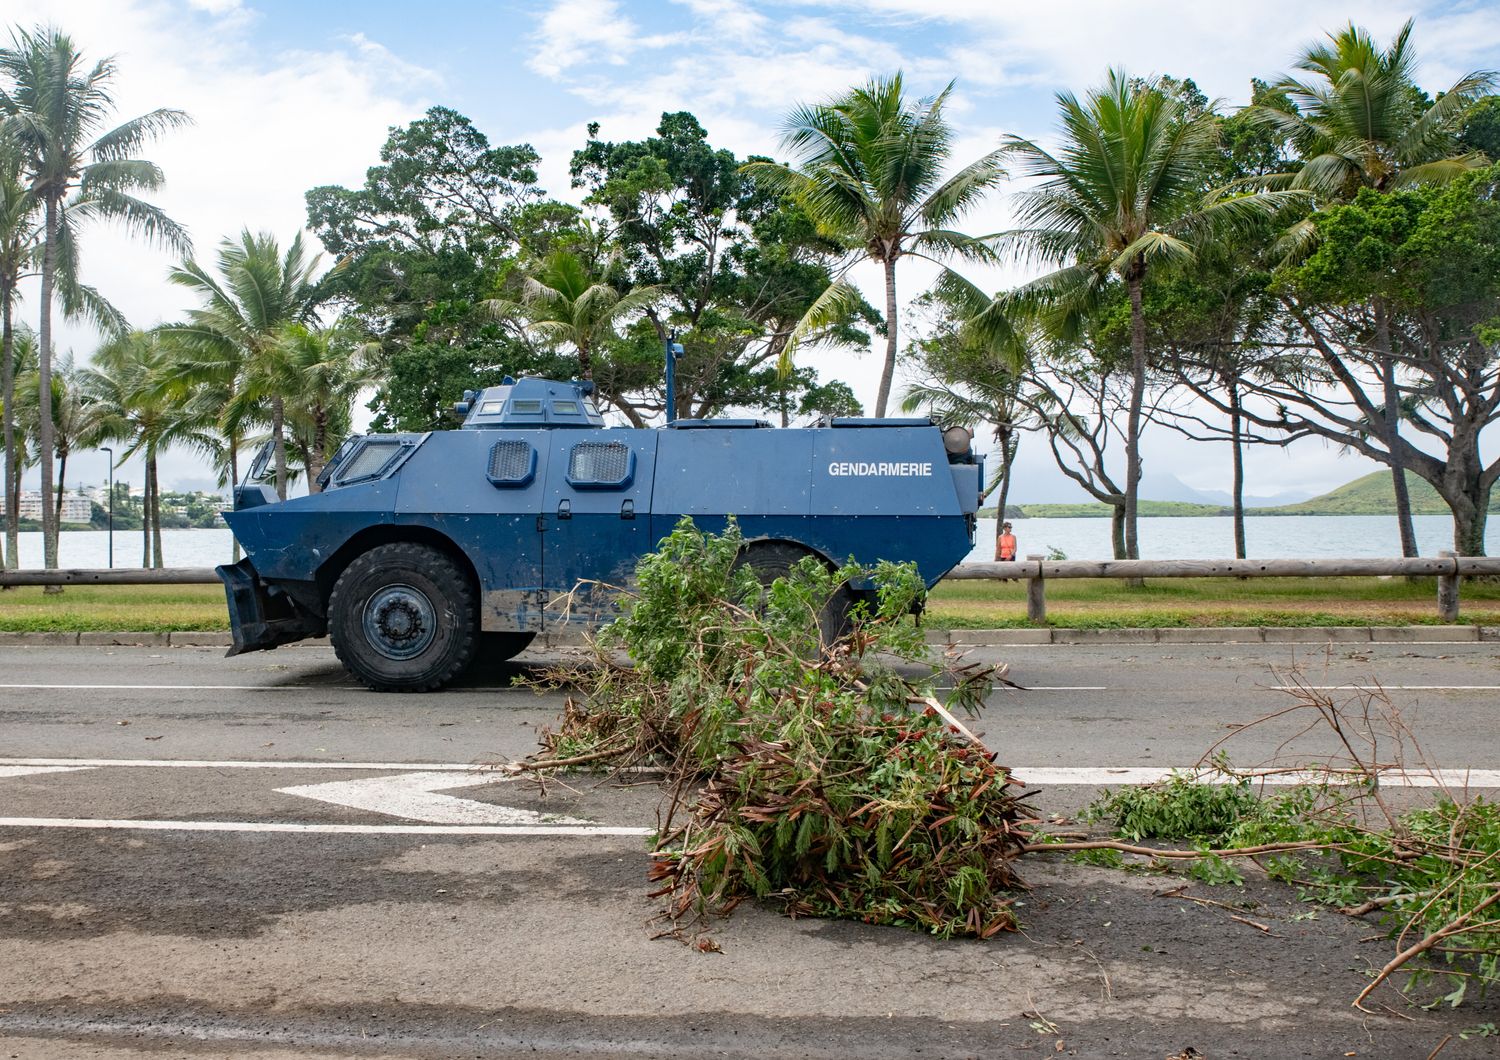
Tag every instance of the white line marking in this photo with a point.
(194, 688)
(1389, 688)
(190, 763)
(1062, 688)
(326, 829)
(1060, 776)
(414, 797)
(21, 771)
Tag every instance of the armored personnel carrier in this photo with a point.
(422, 551)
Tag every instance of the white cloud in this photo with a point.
(267, 126)
(579, 32)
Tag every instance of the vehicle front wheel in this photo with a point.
(404, 618)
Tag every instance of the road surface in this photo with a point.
(207, 857)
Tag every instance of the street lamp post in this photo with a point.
(111, 452)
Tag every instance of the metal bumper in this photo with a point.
(262, 616)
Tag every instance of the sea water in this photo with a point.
(1187, 537)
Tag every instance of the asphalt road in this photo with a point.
(211, 857)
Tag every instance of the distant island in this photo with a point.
(1371, 495)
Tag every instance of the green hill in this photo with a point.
(1371, 495)
(1101, 511)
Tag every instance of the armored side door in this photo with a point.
(597, 521)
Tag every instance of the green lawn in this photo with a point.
(137, 608)
(1107, 603)
(1100, 603)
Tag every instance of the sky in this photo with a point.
(287, 95)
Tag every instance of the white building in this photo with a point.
(75, 509)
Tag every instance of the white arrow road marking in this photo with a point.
(318, 828)
(21, 771)
(413, 796)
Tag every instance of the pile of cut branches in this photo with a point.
(825, 775)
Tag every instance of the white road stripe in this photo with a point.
(21, 771)
(326, 829)
(193, 688)
(1095, 776)
(171, 763)
(1388, 688)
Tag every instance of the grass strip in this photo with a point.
(1075, 603)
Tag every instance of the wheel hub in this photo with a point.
(400, 622)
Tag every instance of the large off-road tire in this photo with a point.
(404, 618)
(775, 559)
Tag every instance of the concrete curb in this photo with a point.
(958, 638)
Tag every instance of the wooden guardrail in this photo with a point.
(1034, 570)
(113, 576)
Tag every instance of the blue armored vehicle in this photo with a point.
(422, 551)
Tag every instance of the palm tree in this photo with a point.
(869, 170)
(1361, 121)
(245, 310)
(73, 418)
(130, 388)
(563, 301)
(321, 372)
(972, 375)
(54, 108)
(1121, 195)
(18, 236)
(17, 420)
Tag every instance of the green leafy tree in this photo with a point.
(55, 108)
(1359, 120)
(869, 170)
(433, 233)
(969, 378)
(737, 265)
(1123, 194)
(228, 345)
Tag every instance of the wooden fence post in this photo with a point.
(1447, 593)
(1036, 593)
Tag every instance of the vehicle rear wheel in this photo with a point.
(404, 618)
(775, 559)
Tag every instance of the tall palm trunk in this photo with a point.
(1010, 444)
(146, 520)
(1236, 433)
(278, 440)
(156, 560)
(62, 480)
(1134, 278)
(44, 389)
(317, 452)
(889, 371)
(12, 468)
(234, 480)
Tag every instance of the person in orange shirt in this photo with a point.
(1005, 544)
